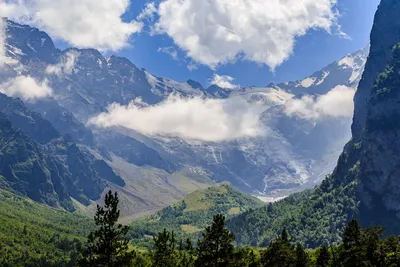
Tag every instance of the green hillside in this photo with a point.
(35, 233)
(191, 215)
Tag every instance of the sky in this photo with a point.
(229, 42)
(311, 52)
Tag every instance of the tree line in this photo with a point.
(109, 246)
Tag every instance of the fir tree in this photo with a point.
(302, 259)
(108, 245)
(164, 253)
(352, 234)
(352, 254)
(279, 253)
(216, 248)
(323, 257)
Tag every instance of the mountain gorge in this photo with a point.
(184, 160)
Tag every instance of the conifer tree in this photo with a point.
(108, 245)
(323, 257)
(302, 259)
(216, 248)
(352, 234)
(352, 254)
(187, 258)
(164, 253)
(280, 253)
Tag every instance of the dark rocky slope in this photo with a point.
(36, 161)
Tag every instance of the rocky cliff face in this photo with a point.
(375, 147)
(384, 35)
(36, 161)
(379, 161)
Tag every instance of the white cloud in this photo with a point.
(2, 42)
(82, 23)
(221, 31)
(192, 66)
(66, 65)
(148, 12)
(224, 81)
(212, 120)
(169, 51)
(337, 103)
(26, 87)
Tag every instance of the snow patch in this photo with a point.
(31, 47)
(324, 76)
(308, 82)
(347, 62)
(151, 79)
(356, 64)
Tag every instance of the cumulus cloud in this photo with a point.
(26, 87)
(148, 12)
(221, 31)
(212, 120)
(82, 23)
(192, 66)
(65, 66)
(224, 81)
(2, 42)
(169, 51)
(337, 103)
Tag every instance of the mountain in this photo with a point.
(154, 170)
(38, 162)
(192, 214)
(37, 235)
(365, 183)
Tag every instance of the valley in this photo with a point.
(294, 151)
(103, 163)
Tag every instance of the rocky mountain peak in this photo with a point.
(27, 43)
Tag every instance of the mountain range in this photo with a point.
(297, 148)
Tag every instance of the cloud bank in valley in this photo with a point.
(221, 31)
(27, 88)
(337, 103)
(211, 120)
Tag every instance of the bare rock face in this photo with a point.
(385, 34)
(372, 157)
(380, 173)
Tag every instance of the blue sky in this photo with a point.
(312, 52)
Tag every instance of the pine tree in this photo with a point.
(164, 253)
(108, 245)
(323, 257)
(302, 259)
(279, 253)
(285, 236)
(216, 248)
(352, 234)
(352, 253)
